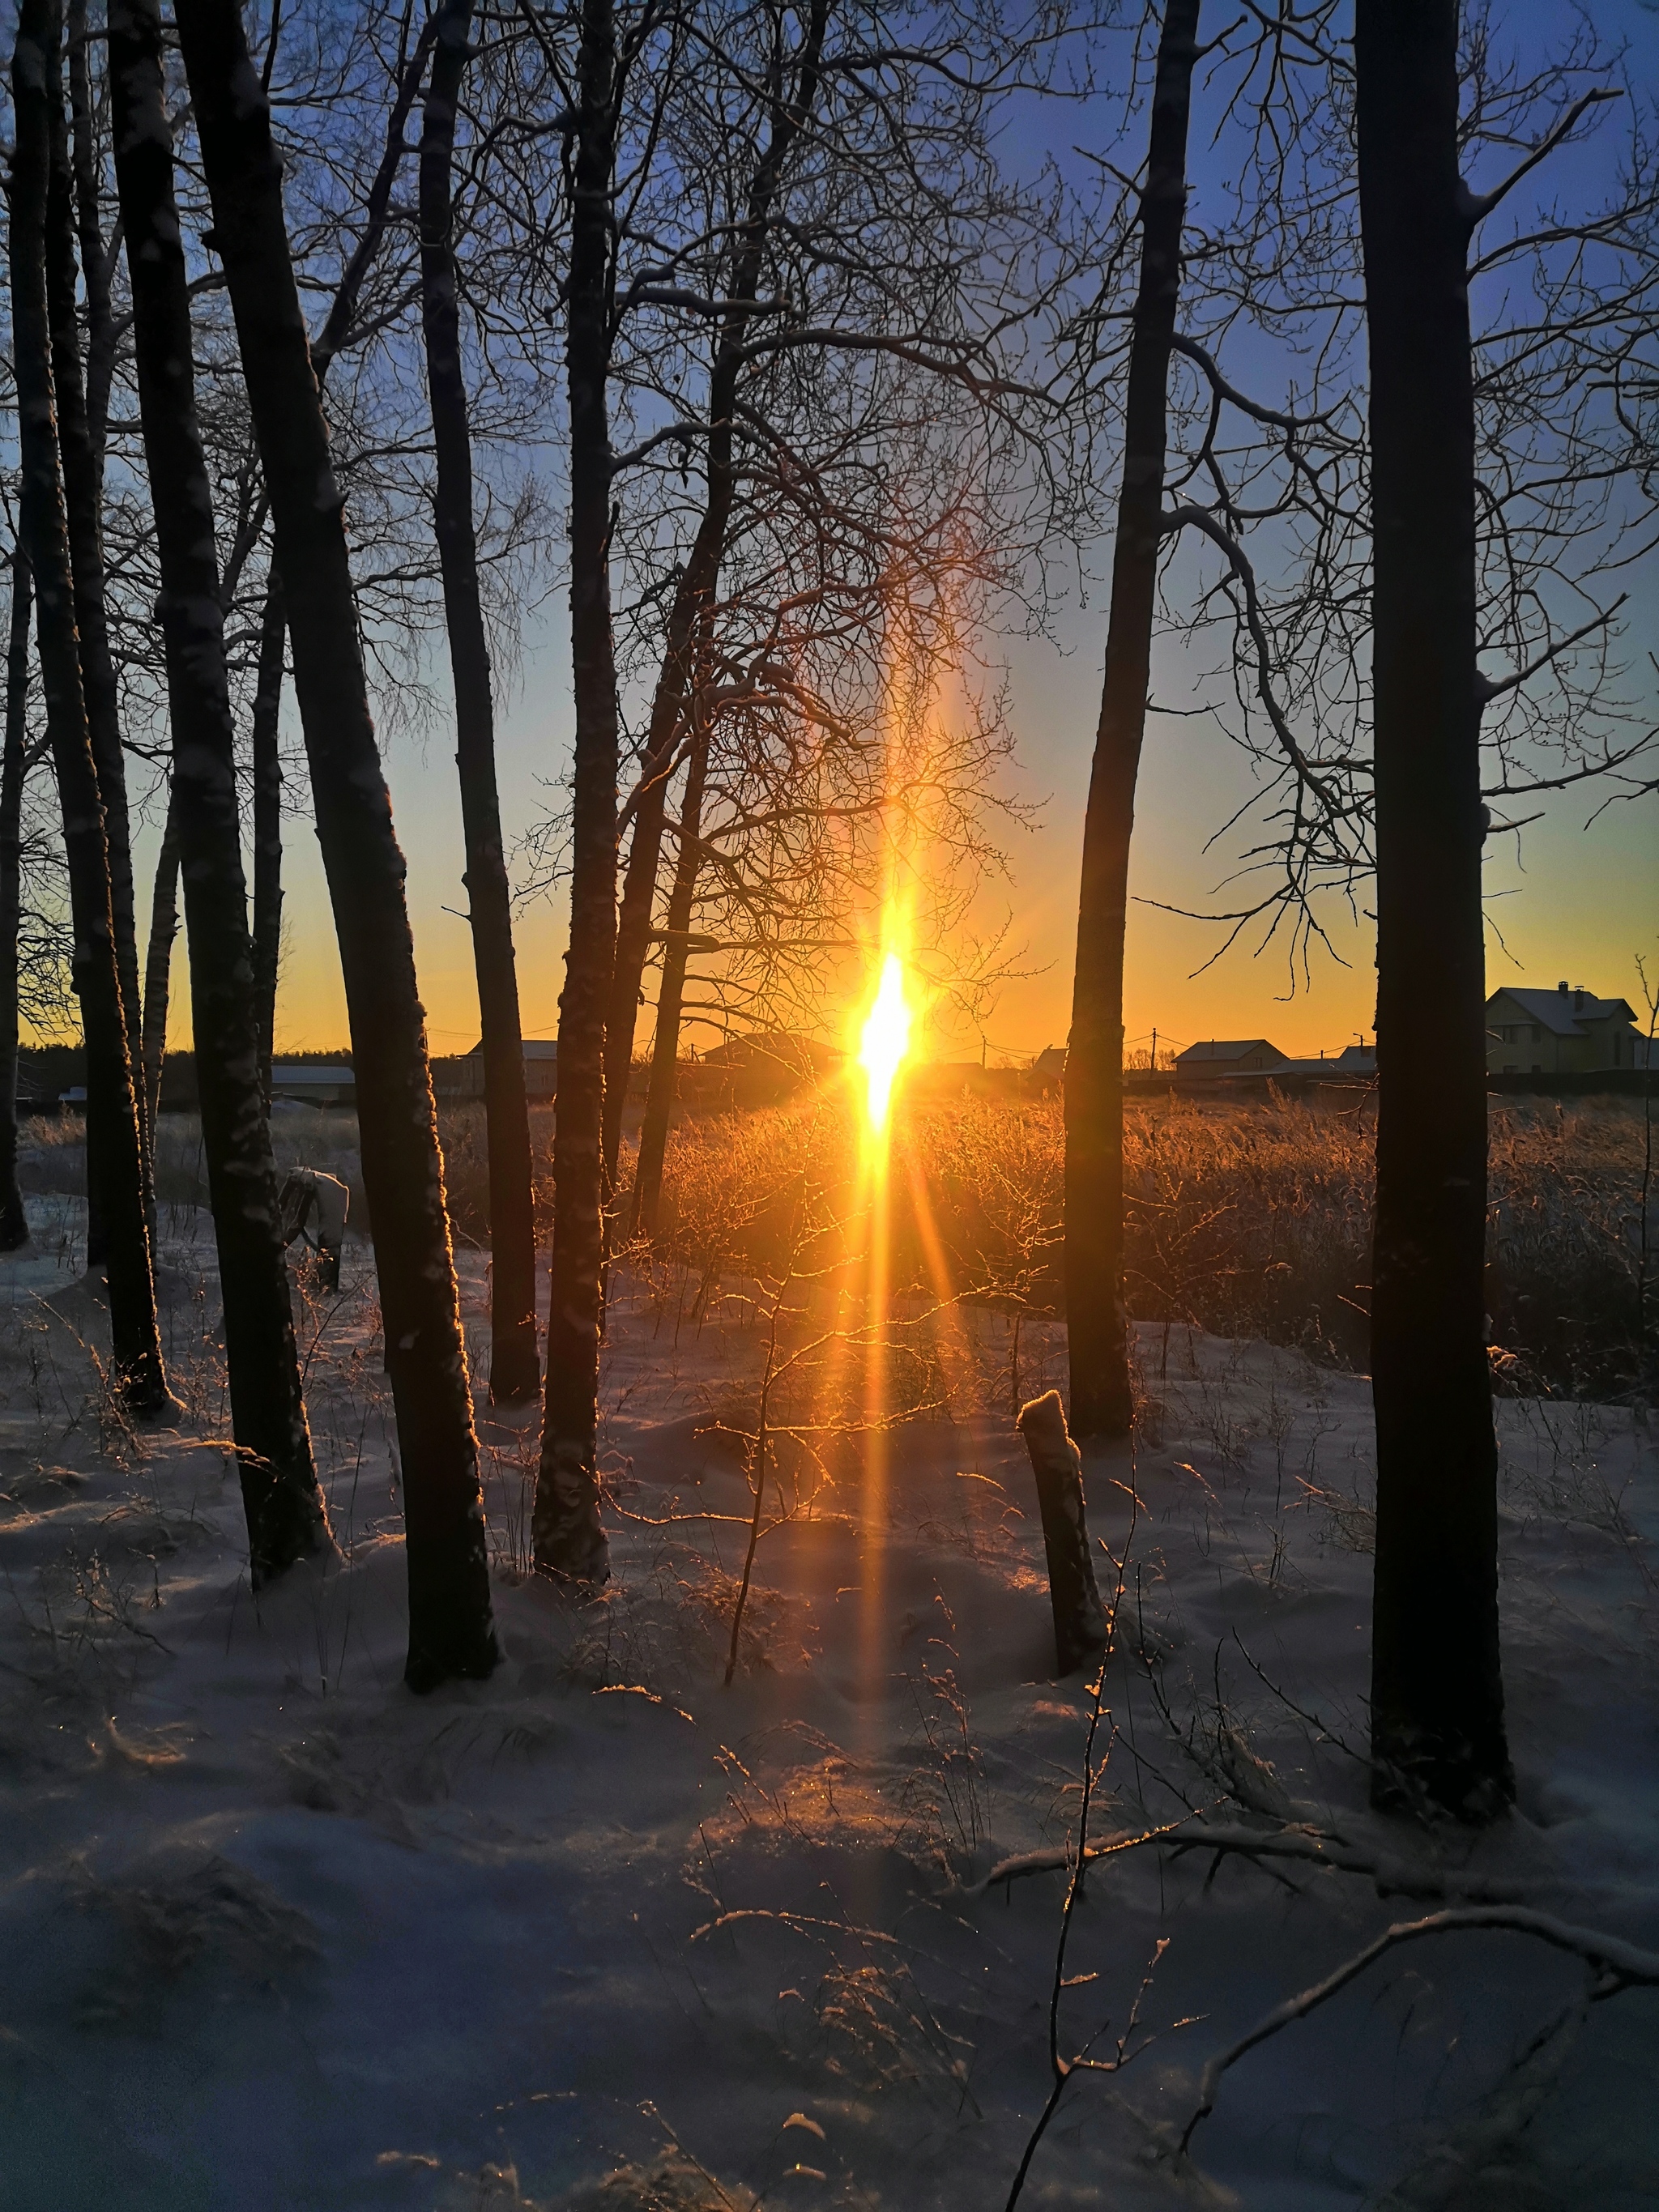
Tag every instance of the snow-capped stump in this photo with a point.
(1057, 1466)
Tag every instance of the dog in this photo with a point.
(314, 1206)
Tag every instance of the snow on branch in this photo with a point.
(1614, 1965)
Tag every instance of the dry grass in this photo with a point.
(1247, 1218)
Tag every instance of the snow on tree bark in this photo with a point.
(1057, 1470)
(451, 1630)
(282, 1503)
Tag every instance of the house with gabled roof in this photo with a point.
(1565, 1032)
(1230, 1056)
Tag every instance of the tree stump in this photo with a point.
(1057, 1465)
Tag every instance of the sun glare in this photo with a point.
(885, 1039)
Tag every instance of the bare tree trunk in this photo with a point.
(273, 628)
(568, 1539)
(283, 1505)
(112, 1115)
(14, 1225)
(514, 1373)
(645, 846)
(82, 464)
(158, 963)
(1096, 1316)
(451, 1631)
(1074, 1593)
(693, 595)
(1437, 1683)
(671, 994)
(268, 821)
(97, 259)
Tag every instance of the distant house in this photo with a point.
(1565, 1032)
(1353, 1059)
(1047, 1070)
(762, 1067)
(463, 1077)
(1231, 1056)
(314, 1085)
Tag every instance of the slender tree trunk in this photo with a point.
(1096, 1316)
(158, 962)
(514, 1373)
(286, 1519)
(450, 1631)
(671, 994)
(569, 1540)
(267, 822)
(97, 259)
(1436, 1684)
(693, 595)
(14, 1225)
(273, 629)
(645, 846)
(112, 1117)
(82, 465)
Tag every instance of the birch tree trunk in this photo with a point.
(158, 963)
(671, 994)
(451, 1631)
(569, 1540)
(693, 594)
(1436, 1684)
(14, 1225)
(282, 1503)
(267, 822)
(514, 1373)
(112, 1114)
(1097, 1315)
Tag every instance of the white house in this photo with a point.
(1565, 1032)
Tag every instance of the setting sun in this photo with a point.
(886, 1038)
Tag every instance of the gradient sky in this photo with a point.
(1579, 904)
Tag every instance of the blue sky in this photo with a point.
(1578, 904)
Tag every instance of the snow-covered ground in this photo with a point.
(275, 1934)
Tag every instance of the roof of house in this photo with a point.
(532, 1048)
(1563, 1011)
(286, 1072)
(799, 1055)
(1225, 1049)
(1352, 1060)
